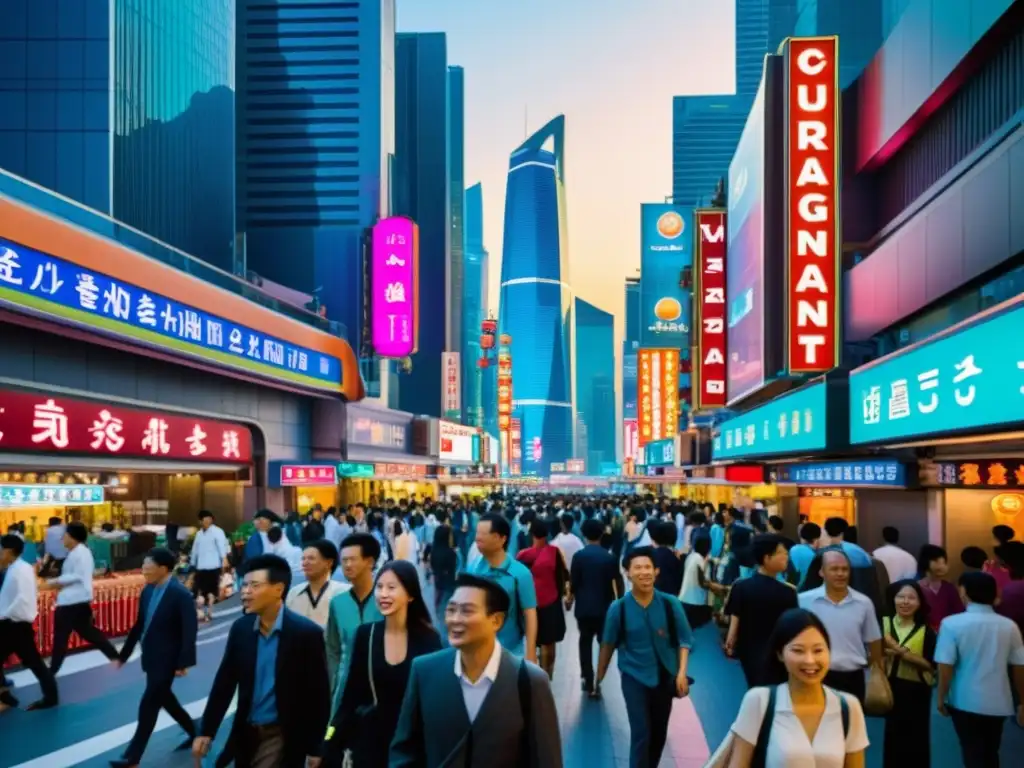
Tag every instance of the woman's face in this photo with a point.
(391, 595)
(806, 656)
(907, 602)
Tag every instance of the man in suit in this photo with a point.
(495, 711)
(594, 581)
(166, 631)
(275, 660)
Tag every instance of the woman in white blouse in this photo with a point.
(799, 723)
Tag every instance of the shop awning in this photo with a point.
(43, 463)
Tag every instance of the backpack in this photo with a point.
(765, 733)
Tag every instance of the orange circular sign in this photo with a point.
(670, 225)
(1008, 504)
(668, 309)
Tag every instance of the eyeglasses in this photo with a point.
(251, 585)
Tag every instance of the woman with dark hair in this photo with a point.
(941, 597)
(381, 659)
(909, 654)
(798, 723)
(444, 565)
(551, 579)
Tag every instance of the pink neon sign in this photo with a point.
(395, 287)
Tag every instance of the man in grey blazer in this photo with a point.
(475, 705)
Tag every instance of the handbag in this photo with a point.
(878, 693)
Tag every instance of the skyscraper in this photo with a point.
(595, 377)
(536, 299)
(859, 26)
(630, 344)
(457, 190)
(474, 306)
(126, 106)
(423, 193)
(315, 122)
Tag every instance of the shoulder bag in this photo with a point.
(673, 638)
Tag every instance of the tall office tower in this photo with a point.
(457, 191)
(476, 283)
(859, 26)
(595, 376)
(422, 193)
(126, 106)
(706, 129)
(630, 344)
(315, 122)
(536, 300)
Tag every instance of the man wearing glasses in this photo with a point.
(275, 660)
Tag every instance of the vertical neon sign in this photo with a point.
(395, 287)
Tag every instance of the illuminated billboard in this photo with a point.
(709, 363)
(666, 249)
(658, 400)
(394, 281)
(812, 242)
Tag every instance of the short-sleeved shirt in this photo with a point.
(851, 623)
(517, 581)
(692, 593)
(758, 601)
(788, 745)
(801, 556)
(646, 646)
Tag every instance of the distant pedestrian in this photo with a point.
(312, 597)
(595, 582)
(209, 558)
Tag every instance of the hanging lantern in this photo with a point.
(483, 362)
(487, 341)
(505, 339)
(489, 326)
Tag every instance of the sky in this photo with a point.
(611, 67)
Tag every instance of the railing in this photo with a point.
(40, 198)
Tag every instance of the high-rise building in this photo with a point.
(423, 193)
(315, 126)
(475, 287)
(595, 376)
(536, 300)
(630, 344)
(457, 190)
(126, 106)
(859, 26)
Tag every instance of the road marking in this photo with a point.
(88, 749)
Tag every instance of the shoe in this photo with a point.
(42, 704)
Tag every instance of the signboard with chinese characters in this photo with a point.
(813, 267)
(657, 394)
(981, 473)
(793, 423)
(352, 469)
(394, 280)
(451, 385)
(21, 496)
(515, 440)
(575, 466)
(43, 423)
(661, 453)
(377, 428)
(557, 466)
(867, 472)
(630, 438)
(456, 441)
(711, 348)
(50, 286)
(969, 378)
(307, 475)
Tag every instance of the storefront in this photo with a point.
(735, 485)
(475, 482)
(105, 462)
(305, 485)
(378, 459)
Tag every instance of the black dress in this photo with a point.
(908, 723)
(369, 735)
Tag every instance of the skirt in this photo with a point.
(907, 726)
(550, 624)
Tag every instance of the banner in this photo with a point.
(666, 248)
(451, 383)
(658, 371)
(394, 278)
(709, 365)
(630, 439)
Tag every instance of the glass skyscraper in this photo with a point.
(475, 288)
(630, 345)
(315, 127)
(859, 26)
(595, 382)
(126, 106)
(457, 190)
(536, 299)
(423, 193)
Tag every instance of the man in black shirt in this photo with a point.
(670, 568)
(755, 604)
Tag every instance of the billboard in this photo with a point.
(666, 248)
(394, 285)
(813, 245)
(709, 363)
(451, 385)
(515, 441)
(658, 371)
(456, 442)
(795, 423)
(630, 439)
(745, 278)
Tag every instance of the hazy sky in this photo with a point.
(611, 67)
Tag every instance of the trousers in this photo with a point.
(158, 695)
(76, 618)
(18, 638)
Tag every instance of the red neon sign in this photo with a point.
(39, 422)
(709, 368)
(812, 205)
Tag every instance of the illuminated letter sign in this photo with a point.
(658, 394)
(394, 286)
(812, 205)
(710, 354)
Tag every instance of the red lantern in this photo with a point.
(483, 362)
(487, 341)
(489, 326)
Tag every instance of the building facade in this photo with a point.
(535, 305)
(475, 289)
(630, 344)
(457, 191)
(315, 127)
(859, 26)
(423, 193)
(127, 107)
(595, 382)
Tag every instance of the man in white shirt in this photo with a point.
(334, 532)
(74, 600)
(899, 563)
(566, 540)
(280, 546)
(18, 609)
(209, 557)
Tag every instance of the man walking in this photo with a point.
(594, 582)
(209, 557)
(495, 711)
(312, 597)
(275, 661)
(166, 631)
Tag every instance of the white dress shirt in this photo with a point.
(333, 531)
(570, 544)
(19, 592)
(899, 563)
(209, 548)
(76, 577)
(473, 694)
(852, 625)
(301, 600)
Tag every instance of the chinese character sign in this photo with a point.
(657, 394)
(709, 365)
(812, 211)
(969, 379)
(881, 472)
(630, 438)
(516, 447)
(451, 385)
(793, 423)
(661, 453)
(982, 473)
(307, 475)
(99, 303)
(52, 495)
(44, 423)
(395, 287)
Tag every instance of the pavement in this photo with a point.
(97, 715)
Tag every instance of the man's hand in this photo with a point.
(730, 646)
(682, 684)
(200, 749)
(180, 672)
(532, 657)
(945, 712)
